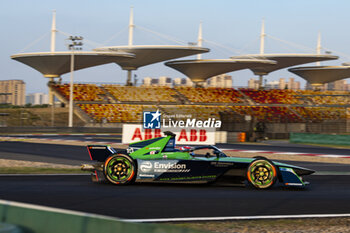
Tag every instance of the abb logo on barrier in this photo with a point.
(192, 136)
(134, 133)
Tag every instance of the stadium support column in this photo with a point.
(51, 97)
(128, 81)
(261, 78)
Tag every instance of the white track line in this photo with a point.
(194, 219)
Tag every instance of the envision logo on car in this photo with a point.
(146, 166)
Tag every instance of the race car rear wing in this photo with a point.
(100, 152)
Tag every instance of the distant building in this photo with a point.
(223, 80)
(12, 92)
(253, 83)
(177, 82)
(273, 85)
(165, 81)
(146, 81)
(185, 82)
(216, 81)
(291, 84)
(161, 81)
(37, 98)
(339, 85)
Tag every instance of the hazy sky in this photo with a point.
(228, 23)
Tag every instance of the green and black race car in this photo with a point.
(157, 160)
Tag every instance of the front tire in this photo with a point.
(120, 169)
(262, 173)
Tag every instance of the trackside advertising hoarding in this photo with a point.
(184, 136)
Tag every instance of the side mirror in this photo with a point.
(217, 153)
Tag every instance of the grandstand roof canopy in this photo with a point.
(150, 54)
(201, 70)
(54, 64)
(284, 60)
(317, 75)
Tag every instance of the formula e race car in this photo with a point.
(158, 160)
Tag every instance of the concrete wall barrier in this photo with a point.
(220, 137)
(234, 137)
(39, 219)
(330, 139)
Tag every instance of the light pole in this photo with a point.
(75, 44)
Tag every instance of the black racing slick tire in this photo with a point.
(262, 173)
(120, 169)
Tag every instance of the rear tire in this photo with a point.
(120, 169)
(262, 173)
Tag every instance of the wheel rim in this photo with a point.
(261, 174)
(119, 169)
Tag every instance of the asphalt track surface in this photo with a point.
(327, 194)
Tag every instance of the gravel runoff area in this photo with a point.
(8, 163)
(313, 225)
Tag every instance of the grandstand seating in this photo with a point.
(326, 97)
(211, 95)
(200, 112)
(203, 103)
(272, 96)
(82, 92)
(141, 94)
(113, 113)
(320, 114)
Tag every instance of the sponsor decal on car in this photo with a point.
(221, 164)
(146, 175)
(97, 147)
(160, 167)
(189, 178)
